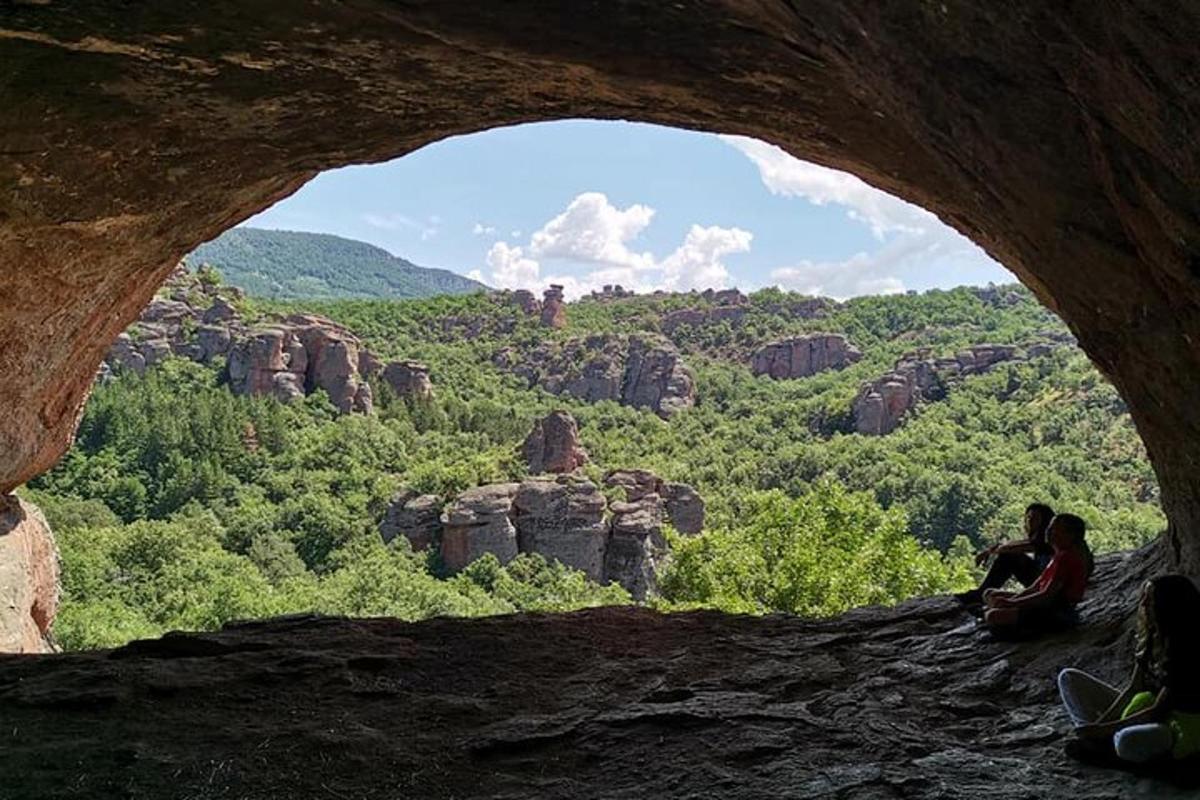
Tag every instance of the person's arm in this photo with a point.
(1137, 684)
(1152, 713)
(1016, 546)
(1031, 597)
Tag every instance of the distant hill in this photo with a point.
(291, 264)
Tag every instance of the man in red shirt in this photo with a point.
(1050, 601)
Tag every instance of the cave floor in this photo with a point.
(909, 702)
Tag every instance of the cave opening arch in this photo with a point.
(1058, 142)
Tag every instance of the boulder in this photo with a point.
(635, 546)
(802, 356)
(554, 313)
(29, 578)
(214, 341)
(478, 522)
(417, 518)
(562, 519)
(553, 445)
(409, 379)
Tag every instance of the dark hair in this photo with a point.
(1173, 652)
(1074, 525)
(1045, 513)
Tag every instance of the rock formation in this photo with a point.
(409, 379)
(681, 505)
(297, 356)
(554, 312)
(642, 371)
(553, 445)
(29, 586)
(478, 522)
(287, 359)
(883, 403)
(636, 546)
(563, 519)
(417, 518)
(803, 356)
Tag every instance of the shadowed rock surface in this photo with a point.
(623, 703)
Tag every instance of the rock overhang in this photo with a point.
(1059, 139)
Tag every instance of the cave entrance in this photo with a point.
(1071, 164)
(841, 430)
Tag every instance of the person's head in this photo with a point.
(1037, 519)
(1066, 532)
(1167, 613)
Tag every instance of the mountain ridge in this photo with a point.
(280, 264)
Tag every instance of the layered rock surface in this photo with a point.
(642, 371)
(29, 578)
(803, 356)
(553, 445)
(560, 517)
(614, 703)
(881, 404)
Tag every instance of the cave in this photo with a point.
(1059, 138)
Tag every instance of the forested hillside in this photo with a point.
(185, 505)
(294, 264)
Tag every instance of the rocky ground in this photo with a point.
(910, 702)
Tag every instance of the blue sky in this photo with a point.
(585, 203)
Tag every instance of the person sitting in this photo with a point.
(1023, 559)
(1049, 602)
(1157, 716)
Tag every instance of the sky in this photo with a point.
(587, 203)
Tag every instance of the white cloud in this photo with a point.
(516, 233)
(510, 268)
(480, 229)
(696, 264)
(786, 175)
(594, 230)
(911, 237)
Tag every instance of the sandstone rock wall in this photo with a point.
(563, 517)
(881, 404)
(642, 371)
(29, 578)
(803, 356)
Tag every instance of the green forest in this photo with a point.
(183, 506)
(270, 263)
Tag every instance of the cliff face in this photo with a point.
(1059, 138)
(29, 587)
(610, 703)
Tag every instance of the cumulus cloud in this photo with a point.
(909, 235)
(696, 264)
(592, 231)
(479, 229)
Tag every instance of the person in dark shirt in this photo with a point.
(1157, 716)
(1050, 601)
(1023, 559)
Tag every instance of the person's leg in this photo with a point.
(1084, 696)
(1004, 567)
(1142, 743)
(1024, 568)
(1001, 617)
